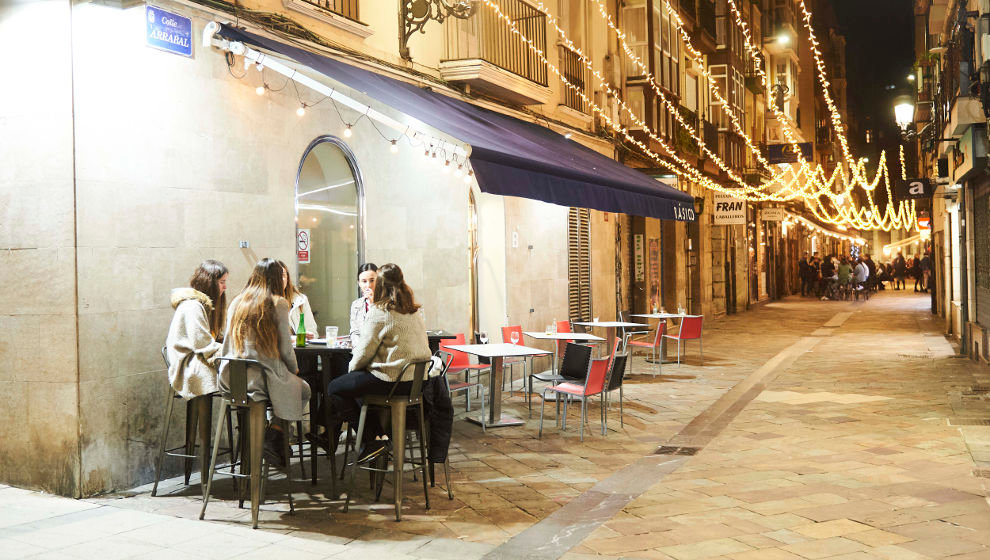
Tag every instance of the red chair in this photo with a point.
(461, 362)
(690, 330)
(594, 384)
(655, 346)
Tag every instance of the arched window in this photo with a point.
(330, 229)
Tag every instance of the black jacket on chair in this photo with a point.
(438, 410)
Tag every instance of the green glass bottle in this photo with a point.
(301, 331)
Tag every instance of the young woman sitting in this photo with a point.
(191, 346)
(298, 305)
(258, 329)
(393, 335)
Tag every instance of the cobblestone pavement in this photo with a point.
(812, 429)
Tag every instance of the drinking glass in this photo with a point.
(548, 330)
(483, 337)
(514, 337)
(331, 336)
(596, 319)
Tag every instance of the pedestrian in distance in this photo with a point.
(900, 271)
(926, 270)
(804, 270)
(918, 274)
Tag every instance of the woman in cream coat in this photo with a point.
(191, 346)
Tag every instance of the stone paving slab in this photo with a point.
(848, 450)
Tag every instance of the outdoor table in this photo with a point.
(497, 353)
(610, 327)
(664, 317)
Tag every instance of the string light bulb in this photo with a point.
(459, 171)
(301, 110)
(348, 132)
(260, 90)
(394, 148)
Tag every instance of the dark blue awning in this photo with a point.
(509, 156)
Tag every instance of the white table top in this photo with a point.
(610, 324)
(661, 315)
(498, 350)
(564, 336)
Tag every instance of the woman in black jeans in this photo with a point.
(392, 336)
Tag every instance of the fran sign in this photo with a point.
(728, 210)
(168, 32)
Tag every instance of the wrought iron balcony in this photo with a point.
(346, 8)
(484, 52)
(576, 73)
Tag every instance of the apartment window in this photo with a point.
(636, 102)
(579, 264)
(718, 73)
(690, 99)
(635, 26)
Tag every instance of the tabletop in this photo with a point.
(500, 350)
(564, 336)
(610, 324)
(660, 315)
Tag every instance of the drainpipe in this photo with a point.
(963, 273)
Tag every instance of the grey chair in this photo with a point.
(464, 386)
(253, 464)
(625, 316)
(199, 418)
(397, 405)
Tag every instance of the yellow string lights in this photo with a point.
(816, 185)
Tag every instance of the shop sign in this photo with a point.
(638, 251)
(168, 32)
(924, 223)
(772, 214)
(654, 271)
(786, 153)
(729, 210)
(970, 153)
(303, 246)
(914, 188)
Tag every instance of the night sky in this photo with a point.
(879, 52)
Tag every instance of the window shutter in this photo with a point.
(579, 264)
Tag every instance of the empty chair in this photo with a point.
(614, 383)
(573, 366)
(690, 330)
(594, 384)
(461, 362)
(513, 335)
(654, 346)
(465, 386)
(625, 316)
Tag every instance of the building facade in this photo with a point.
(125, 166)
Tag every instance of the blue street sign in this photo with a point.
(168, 31)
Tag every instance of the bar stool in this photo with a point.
(253, 464)
(397, 405)
(199, 417)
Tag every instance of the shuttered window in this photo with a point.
(579, 264)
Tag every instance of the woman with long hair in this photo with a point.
(192, 344)
(258, 329)
(367, 275)
(298, 304)
(393, 335)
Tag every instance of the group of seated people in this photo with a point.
(386, 330)
(834, 278)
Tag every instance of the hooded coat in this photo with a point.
(191, 349)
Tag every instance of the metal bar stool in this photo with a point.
(253, 464)
(199, 417)
(397, 405)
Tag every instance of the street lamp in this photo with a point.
(783, 39)
(904, 111)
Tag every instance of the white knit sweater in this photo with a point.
(388, 341)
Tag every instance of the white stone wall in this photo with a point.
(38, 379)
(178, 161)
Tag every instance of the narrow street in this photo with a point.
(813, 429)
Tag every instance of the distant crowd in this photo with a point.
(842, 277)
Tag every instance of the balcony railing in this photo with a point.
(575, 72)
(484, 36)
(685, 142)
(346, 8)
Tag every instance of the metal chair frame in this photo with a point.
(254, 466)
(397, 406)
(677, 337)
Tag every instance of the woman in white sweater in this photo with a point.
(392, 336)
(298, 304)
(192, 344)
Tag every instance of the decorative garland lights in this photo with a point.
(784, 185)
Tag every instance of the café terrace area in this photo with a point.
(812, 429)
